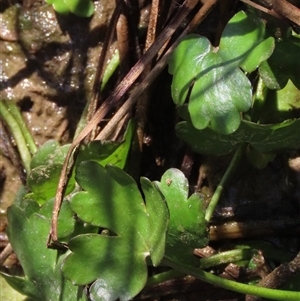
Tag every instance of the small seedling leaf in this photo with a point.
(187, 227)
(50, 152)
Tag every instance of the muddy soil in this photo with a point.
(48, 65)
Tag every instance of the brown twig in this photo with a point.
(7, 251)
(95, 99)
(145, 84)
(287, 10)
(111, 102)
(122, 30)
(151, 33)
(280, 9)
(143, 101)
(7, 150)
(279, 276)
(264, 9)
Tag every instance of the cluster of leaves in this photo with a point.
(110, 227)
(212, 92)
(114, 227)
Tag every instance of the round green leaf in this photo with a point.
(119, 264)
(44, 154)
(184, 65)
(218, 91)
(49, 153)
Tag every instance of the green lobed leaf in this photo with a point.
(217, 90)
(111, 200)
(243, 42)
(187, 227)
(43, 278)
(264, 138)
(284, 64)
(220, 90)
(108, 194)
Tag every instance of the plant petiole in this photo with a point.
(218, 192)
(162, 277)
(18, 134)
(273, 294)
(19, 119)
(259, 99)
(226, 257)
